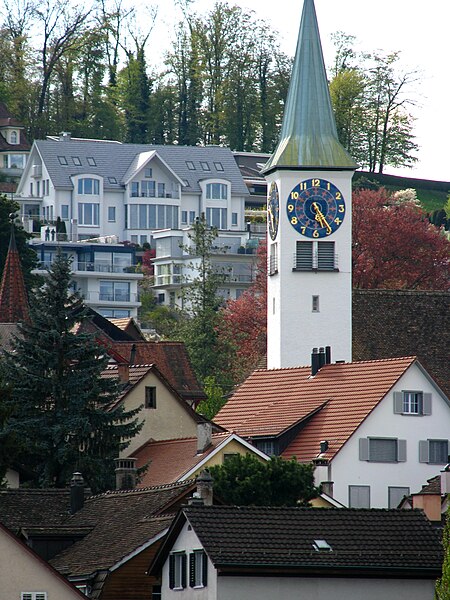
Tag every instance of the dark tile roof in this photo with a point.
(433, 486)
(392, 323)
(115, 159)
(27, 508)
(121, 522)
(254, 537)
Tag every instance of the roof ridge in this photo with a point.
(355, 362)
(155, 488)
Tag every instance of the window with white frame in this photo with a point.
(87, 186)
(88, 213)
(216, 217)
(191, 216)
(64, 212)
(396, 495)
(177, 570)
(153, 216)
(198, 569)
(14, 138)
(382, 449)
(434, 452)
(234, 218)
(184, 217)
(412, 402)
(216, 191)
(359, 496)
(111, 214)
(115, 291)
(33, 596)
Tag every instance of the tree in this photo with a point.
(246, 481)
(395, 246)
(59, 402)
(443, 583)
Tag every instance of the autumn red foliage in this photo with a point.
(395, 246)
(244, 322)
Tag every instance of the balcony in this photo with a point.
(118, 297)
(103, 267)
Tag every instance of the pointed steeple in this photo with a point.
(13, 296)
(308, 135)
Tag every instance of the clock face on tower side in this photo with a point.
(315, 208)
(273, 210)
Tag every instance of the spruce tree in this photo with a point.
(59, 404)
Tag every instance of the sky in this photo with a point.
(418, 29)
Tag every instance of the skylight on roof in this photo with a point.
(219, 166)
(62, 160)
(112, 180)
(322, 546)
(91, 161)
(190, 165)
(204, 165)
(76, 161)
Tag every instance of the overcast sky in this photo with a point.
(419, 30)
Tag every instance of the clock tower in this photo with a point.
(309, 218)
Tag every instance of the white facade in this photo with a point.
(294, 324)
(382, 483)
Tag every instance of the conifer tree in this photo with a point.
(59, 402)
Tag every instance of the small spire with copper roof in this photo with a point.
(13, 295)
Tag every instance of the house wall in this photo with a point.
(320, 588)
(169, 420)
(188, 541)
(346, 467)
(21, 571)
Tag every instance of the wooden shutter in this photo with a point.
(398, 403)
(426, 407)
(183, 570)
(205, 569)
(192, 569)
(363, 449)
(171, 571)
(401, 450)
(424, 451)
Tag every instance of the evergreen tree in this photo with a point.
(59, 403)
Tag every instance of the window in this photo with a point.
(114, 291)
(88, 213)
(31, 188)
(177, 570)
(89, 186)
(216, 217)
(234, 218)
(142, 240)
(315, 255)
(315, 304)
(33, 596)
(184, 216)
(62, 160)
(396, 495)
(153, 216)
(273, 259)
(219, 166)
(325, 256)
(359, 496)
(304, 256)
(204, 165)
(150, 396)
(135, 189)
(411, 402)
(148, 172)
(230, 456)
(198, 568)
(13, 138)
(148, 189)
(161, 190)
(76, 161)
(112, 214)
(192, 216)
(190, 165)
(216, 191)
(266, 446)
(382, 449)
(91, 161)
(434, 452)
(16, 161)
(112, 180)
(64, 211)
(38, 188)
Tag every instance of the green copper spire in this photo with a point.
(308, 135)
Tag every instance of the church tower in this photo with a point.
(13, 295)
(309, 218)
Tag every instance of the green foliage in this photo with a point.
(246, 481)
(442, 591)
(57, 401)
(211, 406)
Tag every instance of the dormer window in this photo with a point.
(14, 137)
(89, 186)
(216, 191)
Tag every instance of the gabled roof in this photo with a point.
(249, 539)
(308, 135)
(130, 327)
(144, 158)
(25, 507)
(121, 522)
(177, 460)
(114, 160)
(338, 398)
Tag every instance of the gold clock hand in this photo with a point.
(320, 218)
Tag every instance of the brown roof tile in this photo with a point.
(171, 459)
(13, 295)
(342, 395)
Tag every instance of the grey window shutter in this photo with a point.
(363, 449)
(398, 403)
(183, 571)
(426, 404)
(424, 454)
(401, 450)
(192, 569)
(171, 571)
(205, 568)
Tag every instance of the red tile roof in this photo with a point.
(171, 459)
(342, 395)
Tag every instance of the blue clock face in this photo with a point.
(273, 210)
(315, 208)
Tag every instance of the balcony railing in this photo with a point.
(155, 194)
(102, 267)
(113, 297)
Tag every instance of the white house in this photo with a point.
(258, 553)
(375, 430)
